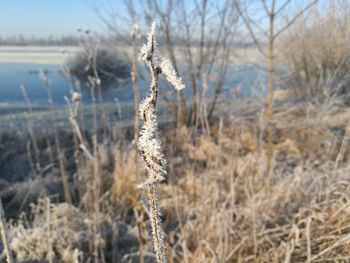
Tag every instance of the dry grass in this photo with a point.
(218, 204)
(54, 232)
(231, 211)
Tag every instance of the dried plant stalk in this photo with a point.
(149, 144)
(3, 235)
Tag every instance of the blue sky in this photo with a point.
(41, 18)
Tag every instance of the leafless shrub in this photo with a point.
(316, 50)
(109, 65)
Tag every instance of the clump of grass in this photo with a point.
(149, 144)
(50, 232)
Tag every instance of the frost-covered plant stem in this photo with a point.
(148, 147)
(156, 224)
(149, 144)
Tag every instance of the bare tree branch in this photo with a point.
(282, 7)
(284, 28)
(248, 25)
(268, 12)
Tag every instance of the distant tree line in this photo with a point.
(21, 40)
(78, 40)
(64, 40)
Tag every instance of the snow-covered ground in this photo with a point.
(37, 54)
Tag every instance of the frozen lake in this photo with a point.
(242, 80)
(15, 75)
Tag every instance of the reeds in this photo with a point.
(149, 145)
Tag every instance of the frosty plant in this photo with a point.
(149, 144)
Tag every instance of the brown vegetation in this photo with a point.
(217, 203)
